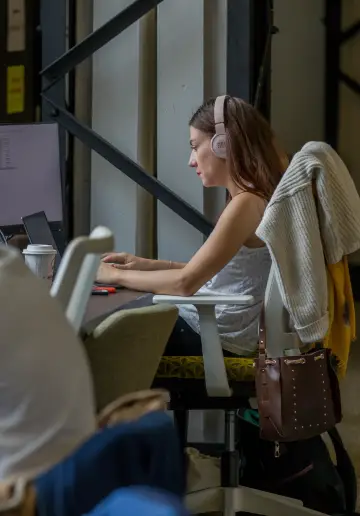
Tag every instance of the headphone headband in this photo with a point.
(218, 141)
(219, 108)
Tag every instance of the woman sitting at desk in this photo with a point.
(232, 146)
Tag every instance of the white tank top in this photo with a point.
(246, 274)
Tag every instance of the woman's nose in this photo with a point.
(192, 160)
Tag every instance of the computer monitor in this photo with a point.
(30, 179)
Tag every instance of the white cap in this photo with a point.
(39, 249)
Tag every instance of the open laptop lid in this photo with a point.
(38, 231)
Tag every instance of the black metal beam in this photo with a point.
(130, 168)
(350, 83)
(240, 78)
(249, 34)
(71, 107)
(264, 30)
(333, 10)
(349, 33)
(97, 39)
(265, 71)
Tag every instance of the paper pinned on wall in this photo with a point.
(16, 26)
(15, 86)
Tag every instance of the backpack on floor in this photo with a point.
(303, 470)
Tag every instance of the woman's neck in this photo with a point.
(234, 190)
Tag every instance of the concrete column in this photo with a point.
(146, 241)
(83, 104)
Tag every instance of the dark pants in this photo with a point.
(184, 341)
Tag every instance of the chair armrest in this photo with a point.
(76, 275)
(215, 373)
(201, 300)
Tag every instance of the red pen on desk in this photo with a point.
(109, 290)
(99, 293)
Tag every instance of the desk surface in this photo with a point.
(100, 307)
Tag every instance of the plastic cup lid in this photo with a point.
(39, 249)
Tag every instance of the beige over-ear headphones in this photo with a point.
(218, 141)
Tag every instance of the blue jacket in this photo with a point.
(145, 452)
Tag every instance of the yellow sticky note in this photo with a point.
(15, 97)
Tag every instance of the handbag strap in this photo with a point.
(262, 338)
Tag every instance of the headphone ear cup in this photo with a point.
(218, 145)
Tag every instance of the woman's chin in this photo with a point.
(207, 184)
(204, 181)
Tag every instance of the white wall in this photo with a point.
(180, 92)
(115, 117)
(298, 61)
(191, 36)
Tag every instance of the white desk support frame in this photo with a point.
(230, 500)
(77, 271)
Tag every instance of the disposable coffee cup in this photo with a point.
(41, 260)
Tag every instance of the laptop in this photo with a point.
(38, 230)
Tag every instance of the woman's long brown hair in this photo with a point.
(254, 162)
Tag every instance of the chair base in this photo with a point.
(229, 501)
(230, 498)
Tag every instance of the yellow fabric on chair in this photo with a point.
(192, 367)
(342, 326)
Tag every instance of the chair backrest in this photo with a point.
(46, 391)
(125, 350)
(76, 274)
(279, 333)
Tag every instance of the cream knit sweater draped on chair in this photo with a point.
(301, 235)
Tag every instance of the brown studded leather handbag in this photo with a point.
(298, 396)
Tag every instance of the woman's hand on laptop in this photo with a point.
(127, 261)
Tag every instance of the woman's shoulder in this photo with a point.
(247, 201)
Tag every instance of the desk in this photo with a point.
(100, 307)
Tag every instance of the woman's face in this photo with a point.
(211, 170)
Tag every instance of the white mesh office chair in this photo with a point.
(234, 498)
(77, 271)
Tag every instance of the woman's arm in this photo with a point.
(161, 265)
(236, 225)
